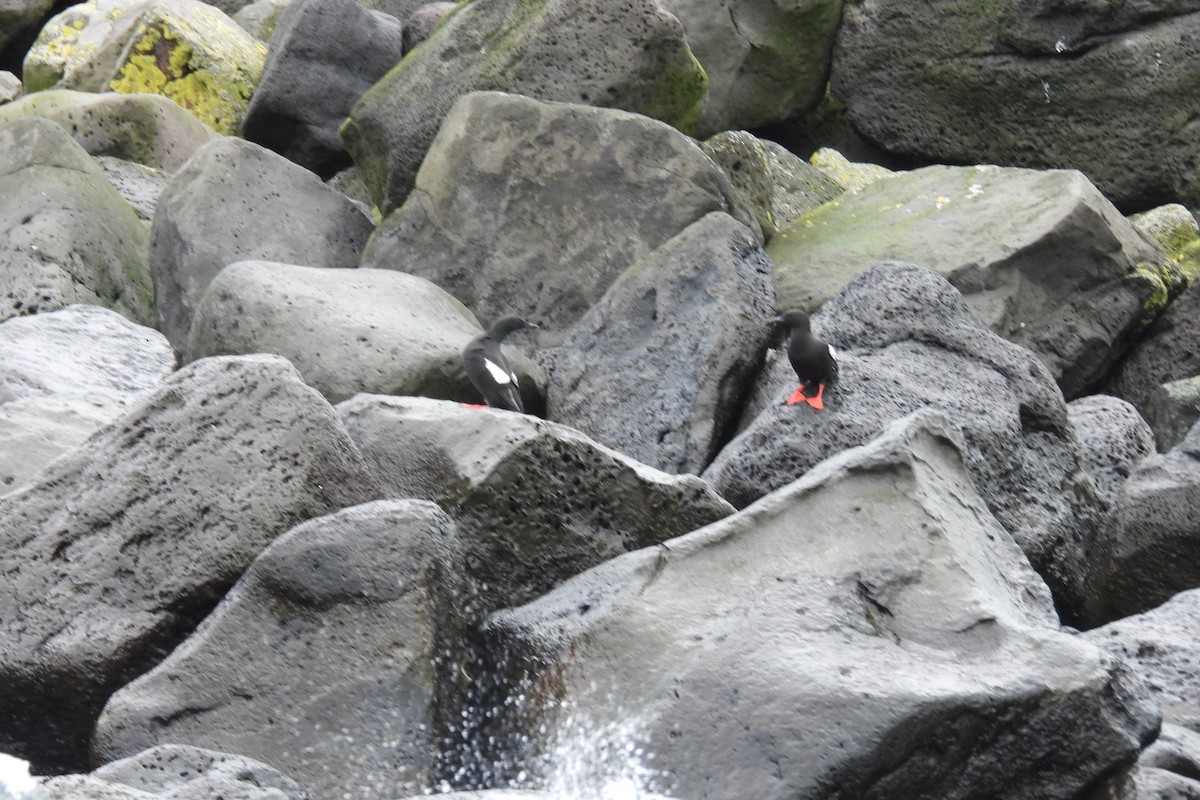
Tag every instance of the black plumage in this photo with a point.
(811, 358)
(488, 369)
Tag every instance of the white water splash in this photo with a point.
(1061, 45)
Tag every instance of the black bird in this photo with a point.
(488, 369)
(811, 357)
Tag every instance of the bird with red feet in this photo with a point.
(488, 369)
(811, 358)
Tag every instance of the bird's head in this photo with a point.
(794, 320)
(503, 327)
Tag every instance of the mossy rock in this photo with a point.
(1175, 230)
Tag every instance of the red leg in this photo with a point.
(817, 402)
(797, 397)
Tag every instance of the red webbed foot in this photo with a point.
(817, 402)
(472, 405)
(797, 397)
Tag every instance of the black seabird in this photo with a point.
(488, 369)
(811, 357)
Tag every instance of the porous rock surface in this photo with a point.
(346, 330)
(907, 341)
(657, 369)
(1113, 439)
(322, 659)
(117, 549)
(65, 374)
(532, 208)
(233, 201)
(69, 237)
(1168, 351)
(865, 610)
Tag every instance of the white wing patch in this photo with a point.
(498, 374)
(833, 351)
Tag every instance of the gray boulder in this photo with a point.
(626, 54)
(908, 342)
(324, 54)
(534, 502)
(322, 659)
(424, 20)
(1169, 350)
(19, 21)
(1174, 409)
(766, 61)
(121, 546)
(10, 87)
(1041, 257)
(1146, 783)
(658, 368)
(177, 772)
(261, 17)
(1113, 440)
(65, 374)
(860, 615)
(1032, 83)
(70, 237)
(1149, 548)
(346, 330)
(531, 208)
(232, 201)
(141, 186)
(147, 129)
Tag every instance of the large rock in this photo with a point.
(1161, 644)
(627, 54)
(1168, 351)
(869, 631)
(321, 661)
(659, 367)
(346, 330)
(178, 772)
(20, 19)
(1041, 257)
(324, 54)
(65, 374)
(534, 502)
(1113, 440)
(147, 129)
(186, 50)
(122, 545)
(139, 185)
(1173, 409)
(766, 61)
(234, 201)
(69, 236)
(1103, 88)
(1149, 549)
(531, 208)
(908, 342)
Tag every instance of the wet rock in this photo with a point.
(121, 546)
(534, 502)
(1174, 409)
(235, 201)
(531, 208)
(863, 612)
(69, 236)
(1030, 83)
(907, 341)
(324, 54)
(1149, 548)
(990, 231)
(322, 659)
(147, 129)
(626, 54)
(658, 368)
(1113, 440)
(346, 330)
(64, 375)
(186, 50)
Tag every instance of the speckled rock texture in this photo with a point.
(1168, 351)
(1113, 440)
(121, 546)
(1173, 409)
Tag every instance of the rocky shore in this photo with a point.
(257, 543)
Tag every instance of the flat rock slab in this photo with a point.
(531, 208)
(320, 661)
(1149, 548)
(627, 54)
(69, 236)
(234, 201)
(346, 330)
(1040, 256)
(122, 545)
(907, 341)
(658, 368)
(147, 129)
(65, 374)
(535, 502)
(822, 643)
